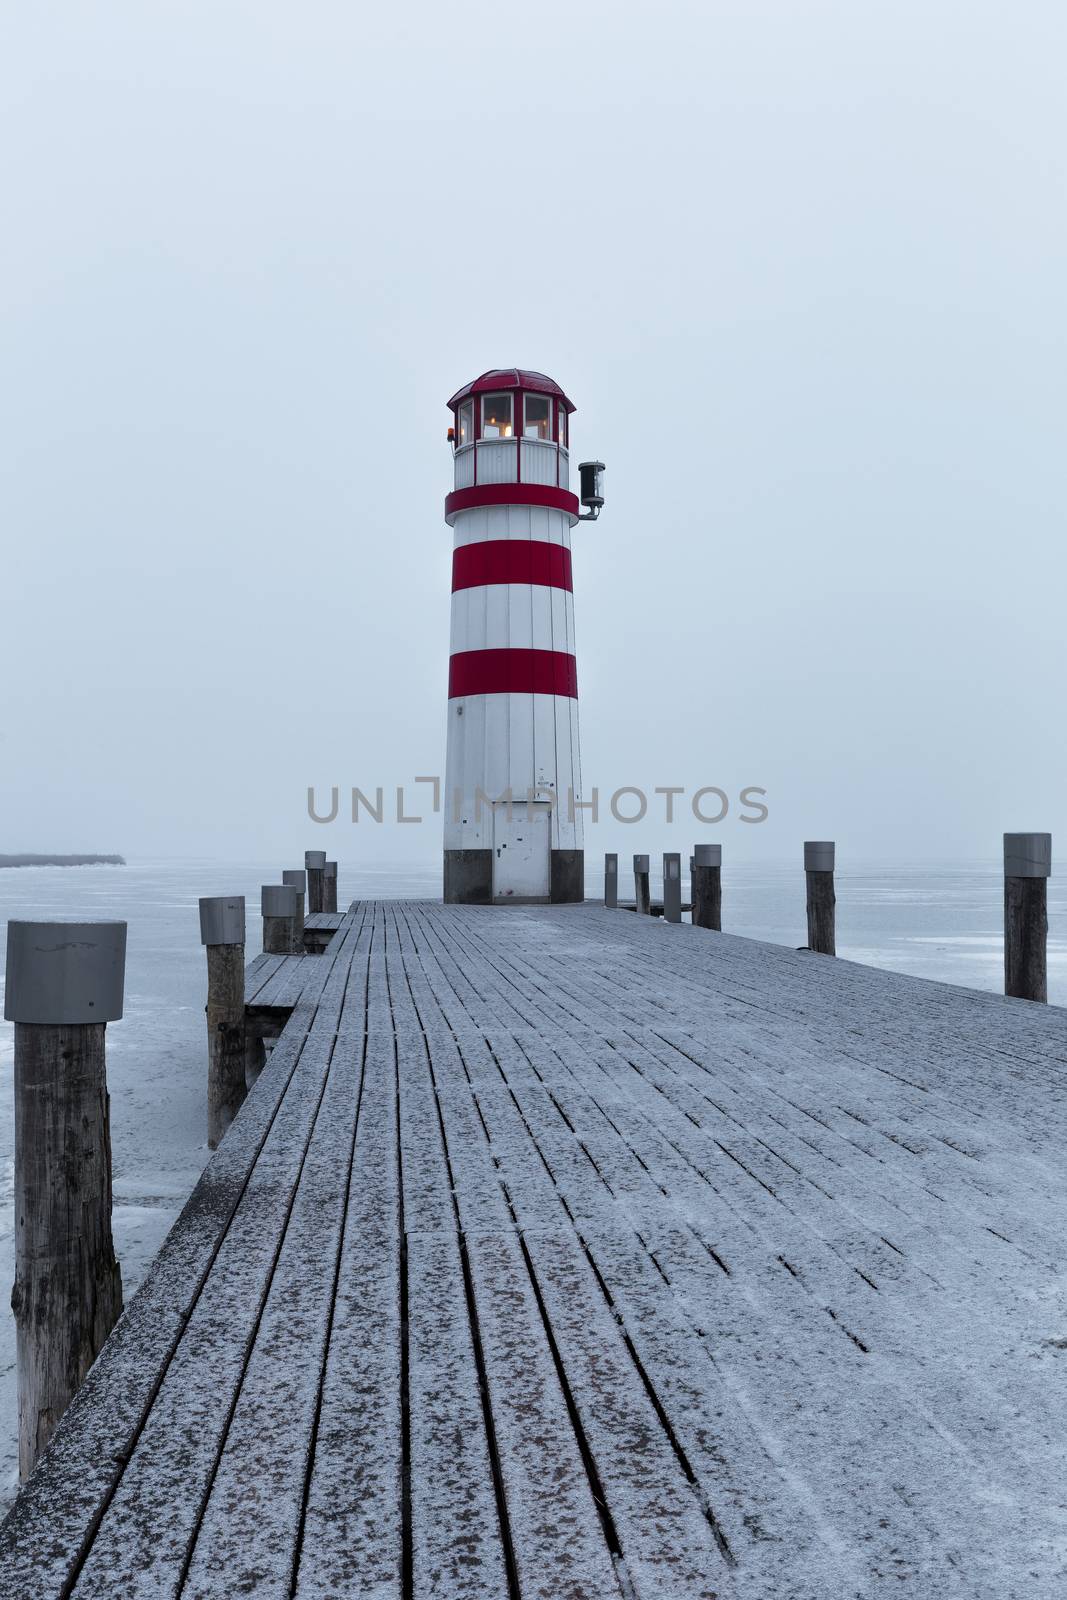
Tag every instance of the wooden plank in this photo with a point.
(258, 973)
(555, 1529)
(457, 1549)
(249, 1542)
(734, 1473)
(507, 1276)
(558, 1536)
(457, 1544)
(667, 1543)
(353, 1536)
(54, 1519)
(148, 1528)
(922, 1459)
(286, 984)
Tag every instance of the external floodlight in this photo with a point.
(591, 474)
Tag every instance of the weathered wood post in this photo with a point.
(1027, 865)
(819, 870)
(315, 867)
(672, 887)
(278, 905)
(611, 881)
(331, 886)
(64, 984)
(642, 892)
(222, 931)
(297, 879)
(706, 884)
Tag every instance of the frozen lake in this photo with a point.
(939, 920)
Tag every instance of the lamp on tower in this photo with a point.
(591, 477)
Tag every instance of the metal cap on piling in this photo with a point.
(222, 919)
(278, 900)
(65, 973)
(710, 855)
(315, 860)
(818, 855)
(1027, 855)
(297, 878)
(331, 869)
(640, 863)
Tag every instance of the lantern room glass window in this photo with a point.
(466, 423)
(537, 417)
(562, 424)
(497, 416)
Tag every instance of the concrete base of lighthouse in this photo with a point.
(568, 876)
(469, 878)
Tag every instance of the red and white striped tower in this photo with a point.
(513, 817)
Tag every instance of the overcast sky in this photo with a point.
(801, 268)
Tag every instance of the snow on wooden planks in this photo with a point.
(564, 1255)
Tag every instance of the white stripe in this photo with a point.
(516, 741)
(515, 616)
(512, 522)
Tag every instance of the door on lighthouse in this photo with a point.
(522, 851)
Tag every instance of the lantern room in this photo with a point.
(511, 426)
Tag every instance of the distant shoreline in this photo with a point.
(62, 861)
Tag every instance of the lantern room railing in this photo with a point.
(486, 461)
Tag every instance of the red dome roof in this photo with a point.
(510, 378)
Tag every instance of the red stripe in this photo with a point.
(511, 561)
(511, 494)
(512, 672)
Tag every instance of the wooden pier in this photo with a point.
(559, 1254)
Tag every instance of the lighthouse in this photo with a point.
(513, 803)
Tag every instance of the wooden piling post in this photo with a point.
(642, 892)
(706, 886)
(611, 881)
(1027, 866)
(278, 903)
(672, 887)
(64, 984)
(297, 879)
(331, 886)
(315, 867)
(222, 931)
(819, 871)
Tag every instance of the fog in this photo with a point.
(800, 267)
